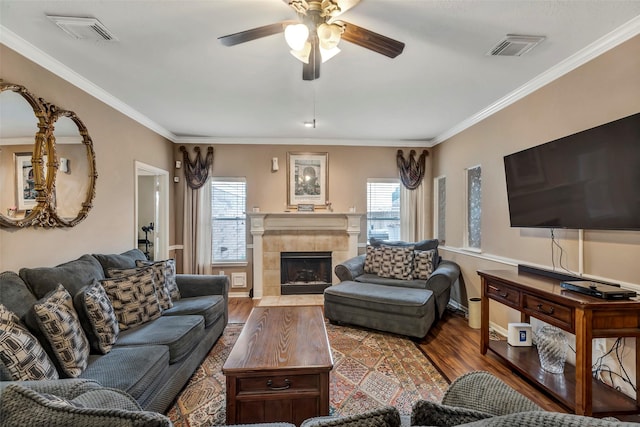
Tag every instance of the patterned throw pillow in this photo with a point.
(373, 259)
(166, 272)
(93, 302)
(59, 323)
(424, 264)
(20, 352)
(397, 262)
(164, 299)
(133, 298)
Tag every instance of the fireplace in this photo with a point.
(304, 272)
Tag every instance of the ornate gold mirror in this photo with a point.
(75, 169)
(23, 130)
(47, 162)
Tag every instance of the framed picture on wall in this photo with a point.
(307, 179)
(25, 181)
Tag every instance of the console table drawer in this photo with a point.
(548, 311)
(503, 293)
(279, 383)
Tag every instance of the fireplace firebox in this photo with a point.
(304, 272)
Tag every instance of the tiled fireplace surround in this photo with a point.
(296, 232)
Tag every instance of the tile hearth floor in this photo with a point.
(291, 300)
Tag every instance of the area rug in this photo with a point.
(371, 369)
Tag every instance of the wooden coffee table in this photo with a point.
(278, 370)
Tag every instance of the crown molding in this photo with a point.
(595, 49)
(205, 140)
(26, 49)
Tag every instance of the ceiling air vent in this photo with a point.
(515, 45)
(83, 28)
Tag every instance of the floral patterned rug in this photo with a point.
(371, 369)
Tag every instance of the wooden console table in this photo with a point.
(586, 317)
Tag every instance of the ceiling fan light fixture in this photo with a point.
(329, 35)
(296, 36)
(327, 54)
(302, 54)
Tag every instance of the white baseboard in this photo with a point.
(236, 294)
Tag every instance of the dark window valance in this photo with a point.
(196, 172)
(411, 170)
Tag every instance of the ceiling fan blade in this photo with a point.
(372, 41)
(255, 33)
(311, 70)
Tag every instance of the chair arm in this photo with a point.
(482, 391)
(196, 285)
(443, 277)
(67, 388)
(350, 269)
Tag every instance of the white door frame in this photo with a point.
(161, 228)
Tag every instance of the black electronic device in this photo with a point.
(588, 180)
(598, 290)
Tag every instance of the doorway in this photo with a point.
(152, 211)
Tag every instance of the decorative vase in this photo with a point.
(552, 346)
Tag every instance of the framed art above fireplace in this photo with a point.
(307, 179)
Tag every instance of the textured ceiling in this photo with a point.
(169, 71)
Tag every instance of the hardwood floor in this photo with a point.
(453, 348)
(451, 345)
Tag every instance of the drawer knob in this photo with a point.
(287, 384)
(550, 311)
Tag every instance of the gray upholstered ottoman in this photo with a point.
(405, 311)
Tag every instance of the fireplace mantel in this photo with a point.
(295, 222)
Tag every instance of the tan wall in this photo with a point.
(118, 142)
(603, 90)
(349, 168)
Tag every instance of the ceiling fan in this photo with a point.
(314, 38)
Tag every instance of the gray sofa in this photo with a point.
(151, 362)
(406, 307)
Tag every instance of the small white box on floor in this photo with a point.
(519, 335)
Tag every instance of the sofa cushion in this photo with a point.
(180, 333)
(15, 295)
(423, 264)
(164, 300)
(131, 369)
(133, 298)
(73, 275)
(423, 245)
(98, 317)
(160, 280)
(375, 279)
(22, 356)
(426, 413)
(170, 284)
(401, 301)
(59, 323)
(386, 416)
(397, 262)
(373, 259)
(24, 407)
(124, 260)
(211, 307)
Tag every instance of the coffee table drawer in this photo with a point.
(278, 383)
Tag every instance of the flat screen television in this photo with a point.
(589, 180)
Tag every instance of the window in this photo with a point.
(228, 220)
(474, 207)
(383, 209)
(440, 202)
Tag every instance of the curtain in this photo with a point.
(414, 213)
(414, 197)
(196, 232)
